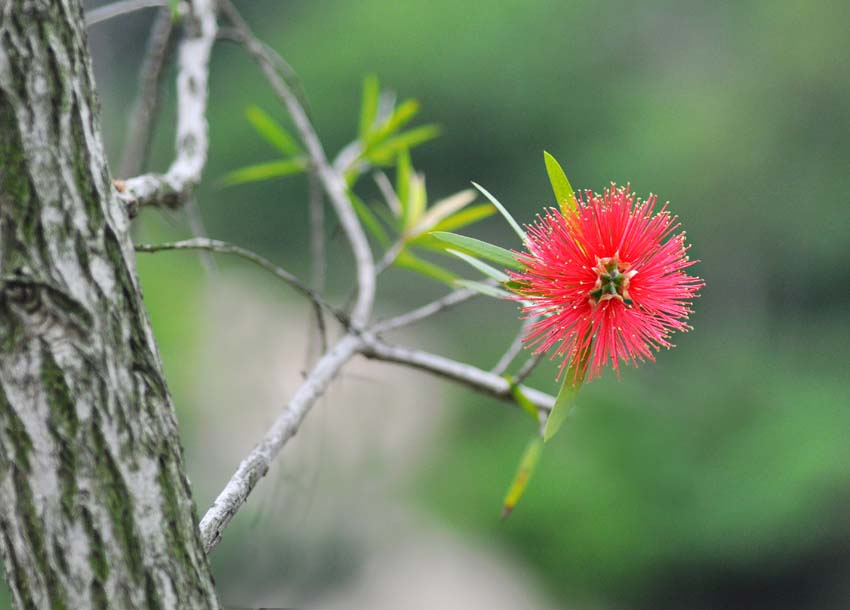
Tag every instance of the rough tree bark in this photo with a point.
(95, 507)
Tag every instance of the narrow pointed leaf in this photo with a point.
(481, 288)
(455, 221)
(527, 466)
(403, 171)
(264, 171)
(466, 217)
(351, 176)
(386, 151)
(522, 400)
(560, 185)
(563, 406)
(368, 106)
(484, 268)
(407, 260)
(400, 117)
(369, 220)
(442, 209)
(478, 248)
(417, 202)
(573, 378)
(514, 224)
(271, 131)
(386, 215)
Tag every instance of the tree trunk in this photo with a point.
(95, 508)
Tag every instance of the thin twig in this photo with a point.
(289, 75)
(389, 257)
(460, 372)
(387, 190)
(527, 367)
(333, 183)
(193, 58)
(348, 156)
(122, 7)
(318, 258)
(199, 229)
(514, 349)
(426, 311)
(141, 125)
(256, 464)
(222, 247)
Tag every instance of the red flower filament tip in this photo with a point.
(608, 281)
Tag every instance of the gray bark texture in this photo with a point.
(95, 506)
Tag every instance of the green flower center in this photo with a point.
(612, 280)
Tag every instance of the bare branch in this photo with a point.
(140, 127)
(514, 349)
(318, 259)
(333, 183)
(122, 7)
(465, 374)
(387, 190)
(256, 464)
(222, 247)
(426, 311)
(356, 340)
(527, 367)
(348, 157)
(389, 257)
(174, 187)
(199, 229)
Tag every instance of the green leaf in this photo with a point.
(271, 131)
(514, 224)
(560, 185)
(174, 5)
(521, 287)
(386, 214)
(368, 106)
(563, 405)
(522, 400)
(403, 171)
(417, 202)
(443, 209)
(408, 261)
(573, 378)
(369, 220)
(527, 466)
(264, 171)
(465, 217)
(484, 268)
(400, 117)
(478, 248)
(351, 176)
(481, 288)
(386, 152)
(456, 221)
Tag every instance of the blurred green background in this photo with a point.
(718, 477)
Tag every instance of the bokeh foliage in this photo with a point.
(722, 470)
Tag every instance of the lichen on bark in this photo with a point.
(95, 507)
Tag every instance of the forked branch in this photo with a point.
(332, 181)
(174, 187)
(193, 57)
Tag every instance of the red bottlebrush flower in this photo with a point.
(607, 280)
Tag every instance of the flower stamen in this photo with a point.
(612, 280)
